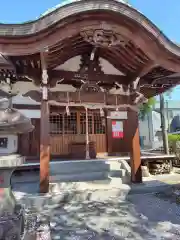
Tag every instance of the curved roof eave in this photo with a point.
(79, 7)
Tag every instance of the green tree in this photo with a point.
(145, 108)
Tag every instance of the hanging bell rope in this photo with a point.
(117, 104)
(79, 93)
(67, 107)
(101, 112)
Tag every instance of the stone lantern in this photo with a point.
(12, 123)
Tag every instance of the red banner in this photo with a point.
(117, 129)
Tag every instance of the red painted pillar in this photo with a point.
(134, 145)
(44, 147)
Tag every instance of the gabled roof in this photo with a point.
(73, 28)
(66, 2)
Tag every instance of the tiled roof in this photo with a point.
(66, 2)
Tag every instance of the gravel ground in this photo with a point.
(142, 216)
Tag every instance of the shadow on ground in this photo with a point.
(74, 216)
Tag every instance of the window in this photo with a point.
(56, 124)
(3, 142)
(83, 123)
(70, 123)
(63, 124)
(96, 124)
(99, 124)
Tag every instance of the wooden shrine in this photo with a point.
(90, 64)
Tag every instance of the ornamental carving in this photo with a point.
(138, 98)
(102, 37)
(90, 87)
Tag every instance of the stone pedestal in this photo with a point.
(11, 214)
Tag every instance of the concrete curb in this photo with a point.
(151, 189)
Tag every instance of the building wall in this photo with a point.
(150, 128)
(146, 131)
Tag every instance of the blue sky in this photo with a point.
(164, 13)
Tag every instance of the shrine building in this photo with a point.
(89, 64)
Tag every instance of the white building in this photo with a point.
(150, 128)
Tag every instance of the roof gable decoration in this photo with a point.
(4, 61)
(108, 68)
(73, 64)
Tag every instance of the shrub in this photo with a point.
(174, 147)
(172, 138)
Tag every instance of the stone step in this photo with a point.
(74, 177)
(79, 177)
(79, 166)
(75, 171)
(117, 173)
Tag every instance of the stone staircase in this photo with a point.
(91, 170)
(80, 171)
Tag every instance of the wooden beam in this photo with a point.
(147, 68)
(92, 77)
(135, 80)
(57, 75)
(135, 153)
(45, 138)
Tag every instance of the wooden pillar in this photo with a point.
(106, 131)
(135, 151)
(87, 135)
(44, 134)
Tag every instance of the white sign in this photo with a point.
(118, 115)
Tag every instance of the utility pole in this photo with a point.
(163, 125)
(167, 114)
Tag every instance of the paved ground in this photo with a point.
(142, 216)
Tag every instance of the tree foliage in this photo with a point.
(173, 138)
(146, 108)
